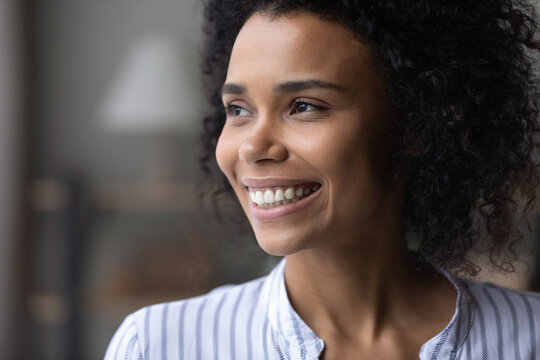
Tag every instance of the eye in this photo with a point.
(235, 110)
(300, 106)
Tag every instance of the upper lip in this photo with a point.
(271, 182)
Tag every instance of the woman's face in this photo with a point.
(305, 144)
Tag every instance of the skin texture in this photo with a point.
(347, 271)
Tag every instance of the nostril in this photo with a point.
(255, 151)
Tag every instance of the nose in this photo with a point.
(264, 144)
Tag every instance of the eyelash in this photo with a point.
(230, 108)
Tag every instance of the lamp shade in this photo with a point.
(156, 90)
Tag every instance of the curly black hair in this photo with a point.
(464, 90)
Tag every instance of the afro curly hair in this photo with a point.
(464, 90)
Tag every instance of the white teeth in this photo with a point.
(268, 196)
(259, 198)
(289, 193)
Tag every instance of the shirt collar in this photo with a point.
(451, 338)
(293, 332)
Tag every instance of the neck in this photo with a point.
(356, 290)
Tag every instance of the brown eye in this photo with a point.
(302, 106)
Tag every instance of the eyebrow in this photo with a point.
(300, 85)
(287, 87)
(234, 89)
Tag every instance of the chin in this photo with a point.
(280, 243)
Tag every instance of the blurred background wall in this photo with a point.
(11, 93)
(99, 149)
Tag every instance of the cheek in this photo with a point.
(339, 151)
(226, 155)
(352, 162)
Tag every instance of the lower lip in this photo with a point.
(282, 210)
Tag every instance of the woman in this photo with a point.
(346, 130)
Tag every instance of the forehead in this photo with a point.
(298, 45)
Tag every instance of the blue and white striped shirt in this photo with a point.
(256, 321)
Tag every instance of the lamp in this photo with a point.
(155, 91)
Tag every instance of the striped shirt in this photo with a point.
(255, 320)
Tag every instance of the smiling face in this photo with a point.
(305, 144)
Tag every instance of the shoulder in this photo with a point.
(192, 310)
(152, 328)
(505, 301)
(504, 320)
(124, 343)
